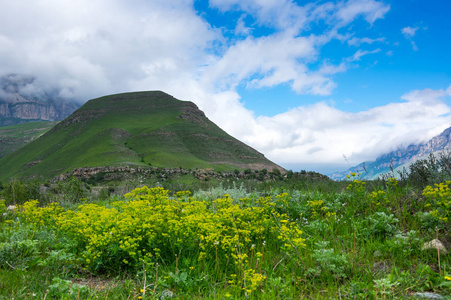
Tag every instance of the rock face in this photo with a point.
(18, 110)
(398, 157)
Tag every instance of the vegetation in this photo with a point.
(16, 136)
(433, 169)
(276, 239)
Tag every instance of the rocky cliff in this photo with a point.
(17, 109)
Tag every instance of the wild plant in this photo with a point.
(327, 262)
(402, 246)
(19, 255)
(439, 200)
(61, 288)
(357, 191)
(380, 225)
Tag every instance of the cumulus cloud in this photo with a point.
(409, 32)
(87, 49)
(283, 14)
(369, 9)
(359, 53)
(359, 41)
(147, 45)
(323, 134)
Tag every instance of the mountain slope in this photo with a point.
(399, 157)
(16, 136)
(135, 129)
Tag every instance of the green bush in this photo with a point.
(18, 254)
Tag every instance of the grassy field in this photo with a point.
(17, 136)
(351, 240)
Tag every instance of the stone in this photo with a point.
(434, 244)
(427, 295)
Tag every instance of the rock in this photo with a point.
(427, 295)
(433, 245)
(167, 294)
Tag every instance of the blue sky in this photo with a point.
(374, 80)
(307, 83)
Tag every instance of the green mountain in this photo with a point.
(16, 136)
(132, 129)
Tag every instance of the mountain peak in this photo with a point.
(133, 129)
(401, 156)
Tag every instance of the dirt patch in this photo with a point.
(97, 283)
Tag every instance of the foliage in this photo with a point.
(380, 225)
(431, 170)
(230, 241)
(439, 200)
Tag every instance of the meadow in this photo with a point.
(348, 240)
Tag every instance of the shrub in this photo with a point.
(380, 225)
(151, 227)
(327, 261)
(18, 254)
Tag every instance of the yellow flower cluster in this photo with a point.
(356, 186)
(439, 198)
(149, 225)
(318, 210)
(379, 198)
(392, 182)
(2, 206)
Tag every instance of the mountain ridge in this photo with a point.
(391, 160)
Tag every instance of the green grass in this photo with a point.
(135, 129)
(361, 242)
(17, 136)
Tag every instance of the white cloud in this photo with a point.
(323, 134)
(144, 45)
(266, 62)
(358, 41)
(241, 28)
(371, 10)
(448, 91)
(282, 14)
(88, 49)
(359, 53)
(409, 32)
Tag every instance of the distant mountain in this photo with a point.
(17, 109)
(133, 129)
(399, 157)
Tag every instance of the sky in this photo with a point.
(314, 85)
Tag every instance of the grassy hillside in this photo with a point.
(135, 129)
(15, 137)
